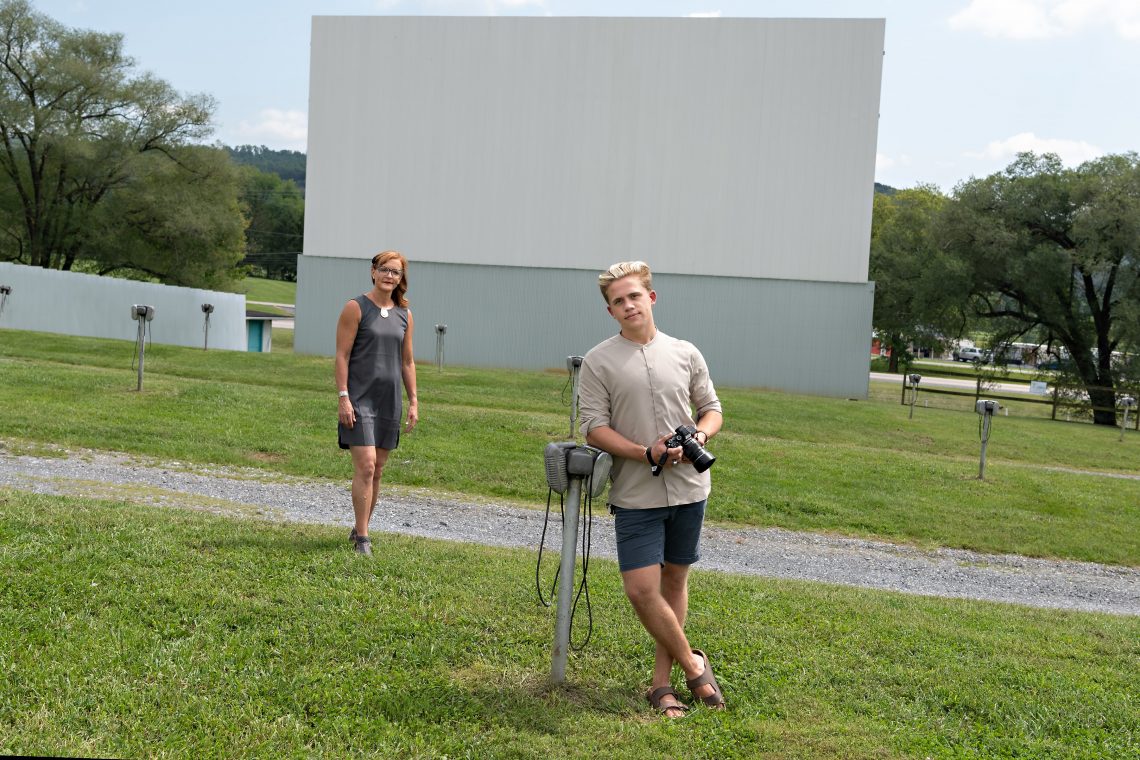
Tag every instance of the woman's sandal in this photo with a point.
(656, 696)
(714, 700)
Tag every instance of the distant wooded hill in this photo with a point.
(286, 164)
(885, 189)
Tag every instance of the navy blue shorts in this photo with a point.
(662, 534)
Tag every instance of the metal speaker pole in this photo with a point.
(440, 331)
(567, 561)
(985, 440)
(142, 353)
(142, 314)
(987, 409)
(207, 309)
(581, 462)
(574, 367)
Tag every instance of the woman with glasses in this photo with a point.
(374, 360)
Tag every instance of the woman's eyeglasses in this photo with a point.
(397, 273)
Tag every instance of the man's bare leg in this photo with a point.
(646, 588)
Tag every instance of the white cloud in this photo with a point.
(893, 170)
(1046, 19)
(883, 161)
(277, 129)
(1072, 152)
(706, 14)
(1018, 19)
(1123, 16)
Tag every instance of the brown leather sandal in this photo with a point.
(714, 700)
(656, 696)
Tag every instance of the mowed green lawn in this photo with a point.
(132, 631)
(859, 468)
(269, 291)
(138, 631)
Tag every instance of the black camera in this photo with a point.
(694, 451)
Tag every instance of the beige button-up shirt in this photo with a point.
(644, 392)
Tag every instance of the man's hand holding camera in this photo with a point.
(661, 450)
(683, 445)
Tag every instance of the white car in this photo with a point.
(971, 354)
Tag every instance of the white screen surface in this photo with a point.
(725, 147)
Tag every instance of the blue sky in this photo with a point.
(966, 83)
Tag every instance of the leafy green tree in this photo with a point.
(913, 304)
(275, 209)
(181, 223)
(286, 164)
(81, 134)
(1055, 251)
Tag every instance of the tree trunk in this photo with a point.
(1095, 372)
(1103, 397)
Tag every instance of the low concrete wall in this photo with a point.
(99, 307)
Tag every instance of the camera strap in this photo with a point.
(654, 467)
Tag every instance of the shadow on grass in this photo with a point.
(277, 542)
(538, 706)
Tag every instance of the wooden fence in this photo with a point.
(1057, 399)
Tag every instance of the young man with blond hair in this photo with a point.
(635, 389)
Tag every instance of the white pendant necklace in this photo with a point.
(384, 310)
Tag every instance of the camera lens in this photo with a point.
(698, 455)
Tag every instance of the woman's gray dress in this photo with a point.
(375, 383)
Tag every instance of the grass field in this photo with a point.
(282, 340)
(145, 632)
(804, 463)
(267, 309)
(269, 291)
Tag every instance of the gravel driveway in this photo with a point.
(770, 552)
